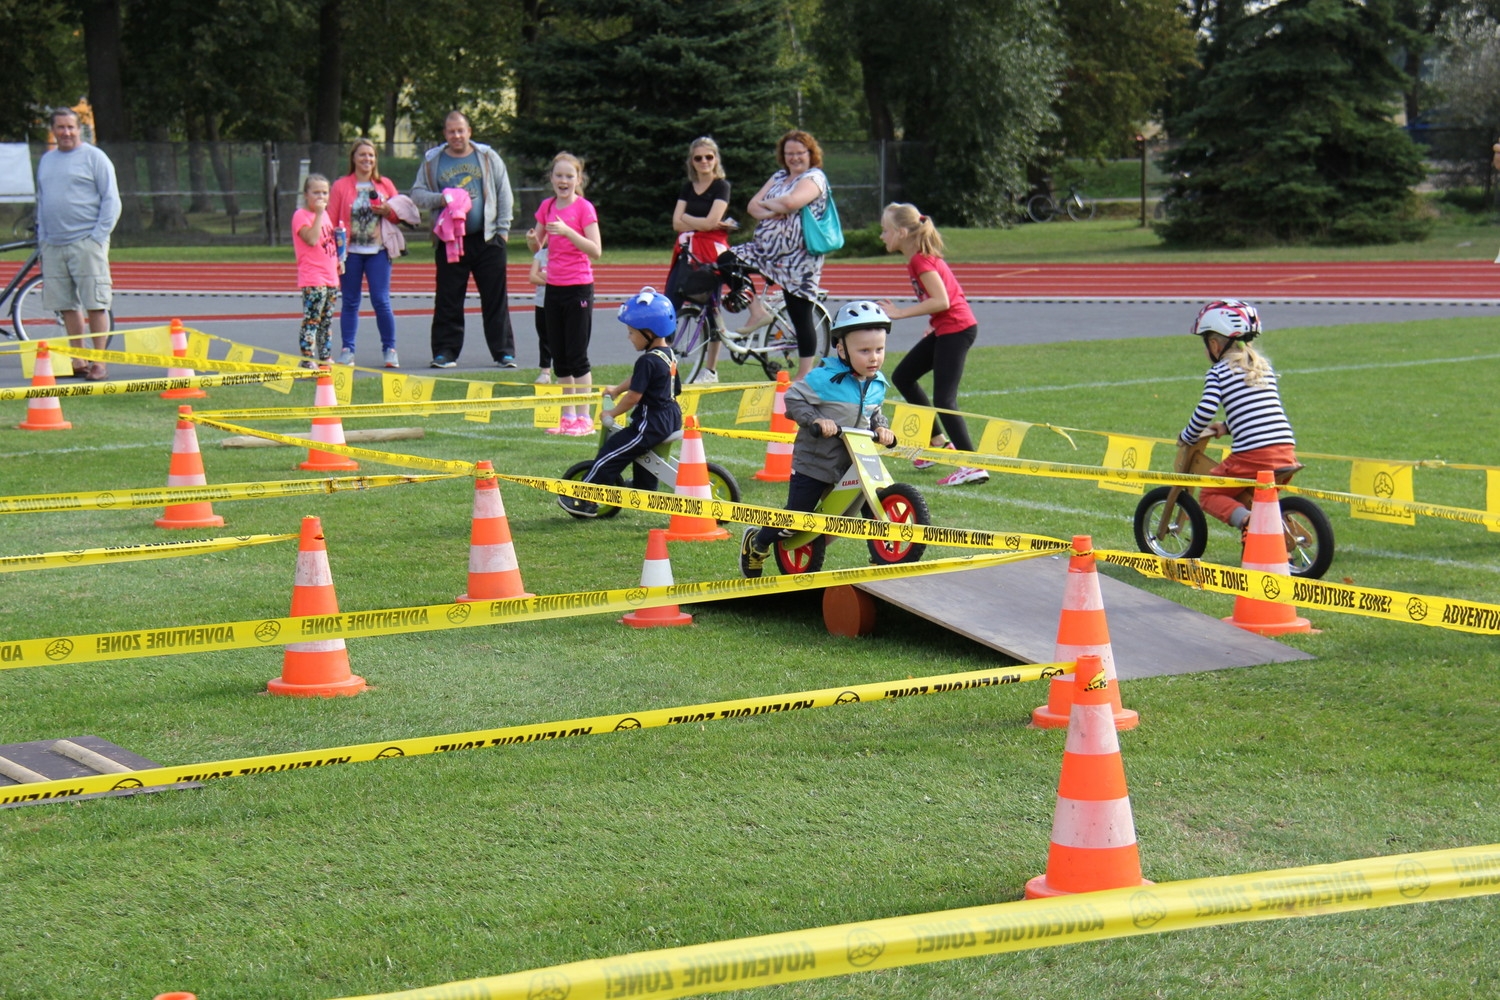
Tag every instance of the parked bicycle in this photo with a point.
(700, 322)
(1042, 207)
(28, 319)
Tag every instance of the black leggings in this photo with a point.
(799, 310)
(944, 356)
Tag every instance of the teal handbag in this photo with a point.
(824, 235)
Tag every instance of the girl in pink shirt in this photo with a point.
(950, 334)
(318, 269)
(569, 227)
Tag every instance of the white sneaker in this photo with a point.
(346, 356)
(706, 377)
(964, 474)
(390, 358)
(544, 377)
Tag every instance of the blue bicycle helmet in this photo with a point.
(649, 310)
(862, 314)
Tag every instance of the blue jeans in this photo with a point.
(376, 269)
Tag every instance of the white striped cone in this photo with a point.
(692, 481)
(317, 667)
(327, 430)
(186, 469)
(657, 572)
(494, 571)
(1082, 630)
(179, 350)
(1093, 843)
(43, 413)
(778, 462)
(1265, 550)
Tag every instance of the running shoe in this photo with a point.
(443, 361)
(390, 358)
(579, 427)
(927, 463)
(544, 377)
(706, 377)
(964, 474)
(577, 507)
(346, 356)
(507, 361)
(752, 559)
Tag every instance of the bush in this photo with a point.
(864, 242)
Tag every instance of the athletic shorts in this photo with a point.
(76, 276)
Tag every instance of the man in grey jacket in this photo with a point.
(77, 206)
(479, 171)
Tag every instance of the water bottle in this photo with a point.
(341, 241)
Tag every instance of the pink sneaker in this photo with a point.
(964, 474)
(579, 427)
(562, 426)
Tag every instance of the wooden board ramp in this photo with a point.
(1015, 609)
(73, 757)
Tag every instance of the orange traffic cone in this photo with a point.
(493, 571)
(778, 467)
(1265, 550)
(179, 350)
(1081, 630)
(657, 572)
(43, 413)
(319, 668)
(329, 430)
(186, 469)
(1093, 830)
(692, 481)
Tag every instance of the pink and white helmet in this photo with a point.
(1228, 318)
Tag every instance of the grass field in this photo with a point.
(395, 874)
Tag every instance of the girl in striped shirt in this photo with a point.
(1242, 382)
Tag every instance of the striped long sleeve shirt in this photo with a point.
(1253, 413)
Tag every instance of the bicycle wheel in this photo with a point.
(1081, 208)
(576, 472)
(803, 559)
(690, 343)
(779, 345)
(1184, 537)
(903, 504)
(1309, 537)
(28, 318)
(1041, 208)
(824, 321)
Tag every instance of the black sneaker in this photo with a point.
(578, 508)
(752, 559)
(507, 362)
(443, 361)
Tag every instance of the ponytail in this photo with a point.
(1243, 358)
(926, 239)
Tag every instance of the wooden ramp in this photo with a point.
(1015, 609)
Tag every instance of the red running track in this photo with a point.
(1384, 280)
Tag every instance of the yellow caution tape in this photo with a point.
(1394, 508)
(171, 361)
(132, 553)
(918, 939)
(153, 384)
(260, 633)
(737, 708)
(455, 468)
(1392, 605)
(773, 517)
(46, 503)
(428, 408)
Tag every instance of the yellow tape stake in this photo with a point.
(919, 939)
(133, 553)
(737, 708)
(46, 503)
(260, 633)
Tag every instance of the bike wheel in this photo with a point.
(1309, 537)
(1081, 209)
(903, 504)
(803, 559)
(824, 321)
(1183, 534)
(575, 473)
(1041, 208)
(691, 344)
(722, 485)
(780, 345)
(28, 318)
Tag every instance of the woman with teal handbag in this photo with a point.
(782, 249)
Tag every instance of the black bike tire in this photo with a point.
(773, 361)
(32, 286)
(720, 476)
(881, 553)
(1041, 208)
(690, 359)
(1147, 512)
(1081, 209)
(816, 551)
(1322, 530)
(824, 321)
(575, 473)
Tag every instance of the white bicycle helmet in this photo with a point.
(861, 314)
(1229, 318)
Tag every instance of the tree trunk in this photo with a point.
(161, 171)
(101, 49)
(223, 173)
(198, 168)
(882, 122)
(531, 20)
(328, 106)
(390, 124)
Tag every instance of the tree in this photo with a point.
(973, 81)
(1287, 133)
(1123, 56)
(627, 85)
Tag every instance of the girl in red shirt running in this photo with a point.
(949, 336)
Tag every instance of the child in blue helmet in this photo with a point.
(846, 390)
(649, 396)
